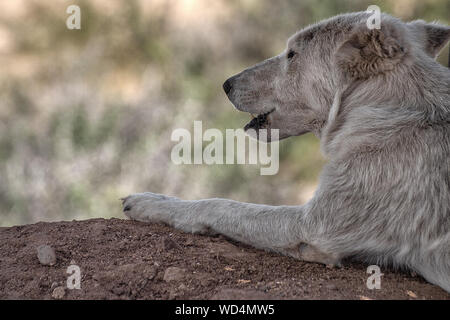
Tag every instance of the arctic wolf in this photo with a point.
(380, 104)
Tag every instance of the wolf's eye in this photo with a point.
(291, 54)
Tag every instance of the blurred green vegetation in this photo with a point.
(86, 115)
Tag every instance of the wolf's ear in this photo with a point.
(432, 36)
(369, 52)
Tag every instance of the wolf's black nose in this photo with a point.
(227, 86)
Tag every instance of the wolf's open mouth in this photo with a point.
(259, 121)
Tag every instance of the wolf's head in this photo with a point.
(293, 92)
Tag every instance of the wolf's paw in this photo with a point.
(149, 207)
(152, 207)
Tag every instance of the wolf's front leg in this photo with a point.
(283, 229)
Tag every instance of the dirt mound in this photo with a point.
(122, 259)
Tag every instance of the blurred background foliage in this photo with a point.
(86, 115)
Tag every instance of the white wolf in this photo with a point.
(380, 104)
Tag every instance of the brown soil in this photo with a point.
(122, 259)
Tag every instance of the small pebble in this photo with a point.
(173, 274)
(58, 293)
(46, 255)
(331, 286)
(182, 287)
